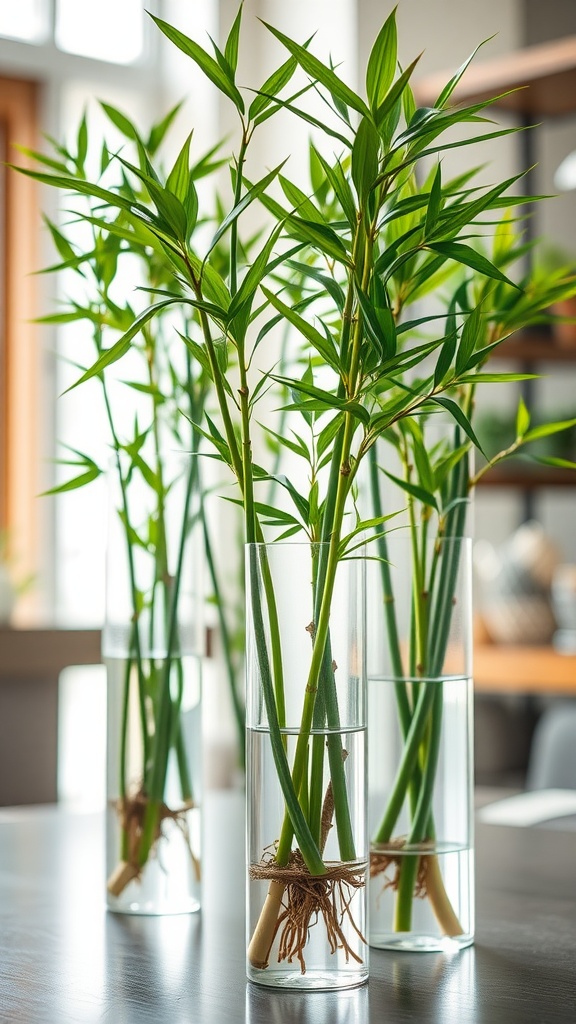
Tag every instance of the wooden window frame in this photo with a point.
(20, 357)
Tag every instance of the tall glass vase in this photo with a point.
(420, 701)
(306, 765)
(152, 645)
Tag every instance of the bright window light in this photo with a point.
(106, 30)
(26, 20)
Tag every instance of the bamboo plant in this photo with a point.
(363, 244)
(167, 394)
(438, 480)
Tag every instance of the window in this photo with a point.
(19, 419)
(106, 30)
(27, 20)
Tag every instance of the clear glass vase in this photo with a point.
(152, 644)
(306, 769)
(420, 709)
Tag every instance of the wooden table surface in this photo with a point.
(65, 960)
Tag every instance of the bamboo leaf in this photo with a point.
(522, 418)
(115, 352)
(323, 400)
(91, 472)
(62, 244)
(260, 268)
(328, 283)
(395, 94)
(231, 47)
(273, 85)
(470, 258)
(320, 237)
(381, 66)
(298, 447)
(495, 378)
(341, 188)
(471, 332)
(208, 65)
(301, 202)
(547, 429)
(300, 502)
(372, 325)
(81, 144)
(460, 417)
(177, 180)
(321, 73)
(421, 458)
(551, 460)
(434, 203)
(451, 85)
(72, 485)
(168, 205)
(328, 434)
(253, 193)
(426, 497)
(445, 357)
(365, 152)
(120, 121)
(443, 467)
(159, 130)
(317, 340)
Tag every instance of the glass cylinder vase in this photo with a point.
(420, 709)
(306, 768)
(152, 646)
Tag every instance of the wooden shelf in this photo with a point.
(528, 479)
(42, 653)
(545, 76)
(499, 668)
(535, 346)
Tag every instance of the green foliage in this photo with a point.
(372, 238)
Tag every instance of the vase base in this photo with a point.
(415, 943)
(316, 980)
(145, 908)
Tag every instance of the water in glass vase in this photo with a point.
(421, 888)
(320, 938)
(444, 869)
(153, 847)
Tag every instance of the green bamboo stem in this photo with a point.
(161, 744)
(389, 604)
(422, 826)
(341, 810)
(124, 841)
(237, 708)
(322, 677)
(135, 637)
(318, 744)
(162, 579)
(308, 847)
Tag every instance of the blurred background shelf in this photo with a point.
(509, 475)
(499, 668)
(535, 346)
(544, 75)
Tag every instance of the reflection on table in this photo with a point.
(65, 959)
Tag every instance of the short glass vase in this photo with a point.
(151, 649)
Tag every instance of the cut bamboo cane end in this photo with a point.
(120, 877)
(265, 930)
(438, 897)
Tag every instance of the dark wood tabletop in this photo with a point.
(65, 960)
